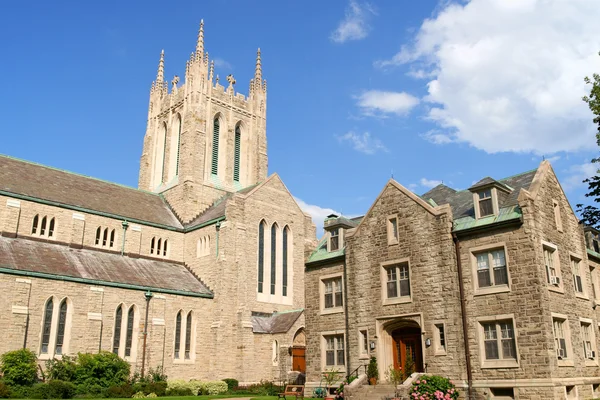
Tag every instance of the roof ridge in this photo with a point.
(519, 174)
(78, 174)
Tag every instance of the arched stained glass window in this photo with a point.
(47, 327)
(62, 321)
(177, 334)
(117, 332)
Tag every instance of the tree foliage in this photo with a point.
(19, 367)
(590, 214)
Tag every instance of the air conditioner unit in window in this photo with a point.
(555, 280)
(560, 353)
(591, 354)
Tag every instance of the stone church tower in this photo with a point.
(202, 139)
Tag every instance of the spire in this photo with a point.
(258, 70)
(200, 44)
(212, 71)
(160, 76)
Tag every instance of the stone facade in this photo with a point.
(184, 215)
(522, 305)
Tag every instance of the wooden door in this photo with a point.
(299, 359)
(404, 345)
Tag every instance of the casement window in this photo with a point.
(45, 228)
(392, 230)
(55, 326)
(363, 343)
(398, 281)
(485, 204)
(499, 340)
(551, 262)
(491, 268)
(440, 338)
(183, 336)
(557, 217)
(334, 240)
(577, 278)
(588, 341)
(214, 169)
(560, 338)
(104, 238)
(333, 294)
(261, 255)
(236, 154)
(334, 350)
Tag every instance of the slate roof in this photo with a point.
(462, 205)
(321, 253)
(54, 261)
(275, 323)
(82, 192)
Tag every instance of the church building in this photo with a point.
(199, 271)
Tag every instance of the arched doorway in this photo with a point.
(299, 351)
(406, 345)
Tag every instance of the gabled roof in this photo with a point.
(487, 181)
(276, 323)
(29, 181)
(55, 261)
(321, 253)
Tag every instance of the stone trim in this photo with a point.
(334, 310)
(477, 291)
(501, 363)
(437, 349)
(383, 274)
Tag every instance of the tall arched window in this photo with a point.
(47, 327)
(177, 334)
(152, 246)
(188, 335)
(62, 321)
(105, 237)
(34, 226)
(43, 227)
(275, 352)
(98, 233)
(214, 169)
(51, 228)
(261, 255)
(158, 247)
(117, 331)
(165, 247)
(112, 238)
(175, 143)
(236, 154)
(273, 257)
(164, 156)
(284, 251)
(129, 337)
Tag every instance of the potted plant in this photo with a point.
(330, 377)
(396, 377)
(372, 371)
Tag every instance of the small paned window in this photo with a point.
(576, 270)
(334, 350)
(398, 281)
(129, 336)
(177, 334)
(47, 329)
(485, 203)
(441, 336)
(117, 332)
(499, 340)
(333, 293)
(334, 240)
(560, 340)
(551, 272)
(62, 321)
(491, 268)
(588, 342)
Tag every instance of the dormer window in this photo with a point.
(334, 240)
(486, 206)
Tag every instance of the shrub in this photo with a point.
(139, 395)
(179, 384)
(89, 390)
(372, 370)
(430, 387)
(39, 391)
(214, 387)
(4, 390)
(179, 392)
(156, 375)
(121, 391)
(103, 369)
(63, 369)
(19, 367)
(231, 383)
(60, 389)
(159, 388)
(19, 392)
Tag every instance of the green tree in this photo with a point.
(590, 214)
(19, 367)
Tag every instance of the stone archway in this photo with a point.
(399, 339)
(299, 351)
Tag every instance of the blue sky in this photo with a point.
(427, 91)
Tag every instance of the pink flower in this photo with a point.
(424, 381)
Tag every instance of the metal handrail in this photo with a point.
(356, 371)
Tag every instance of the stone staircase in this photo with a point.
(383, 390)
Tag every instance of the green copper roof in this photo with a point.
(506, 214)
(593, 254)
(321, 253)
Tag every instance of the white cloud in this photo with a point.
(576, 174)
(354, 26)
(436, 136)
(379, 103)
(220, 63)
(429, 183)
(317, 213)
(508, 74)
(364, 143)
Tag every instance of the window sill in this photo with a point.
(334, 310)
(489, 364)
(334, 368)
(566, 363)
(47, 356)
(397, 300)
(591, 363)
(581, 296)
(183, 361)
(392, 242)
(440, 353)
(491, 290)
(363, 357)
(557, 289)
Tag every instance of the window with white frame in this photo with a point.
(334, 350)
(551, 262)
(334, 239)
(159, 246)
(440, 338)
(333, 293)
(577, 279)
(43, 226)
(398, 280)
(486, 206)
(54, 327)
(491, 268)
(363, 342)
(557, 217)
(392, 230)
(499, 340)
(587, 336)
(560, 337)
(183, 336)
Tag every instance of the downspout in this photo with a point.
(125, 225)
(218, 228)
(463, 313)
(148, 296)
(346, 319)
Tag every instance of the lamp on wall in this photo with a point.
(372, 345)
(428, 342)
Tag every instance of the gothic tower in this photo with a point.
(203, 139)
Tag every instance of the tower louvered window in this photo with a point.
(236, 156)
(273, 257)
(215, 148)
(261, 256)
(284, 249)
(117, 335)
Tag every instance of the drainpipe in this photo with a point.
(218, 228)
(463, 312)
(148, 296)
(346, 319)
(125, 225)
